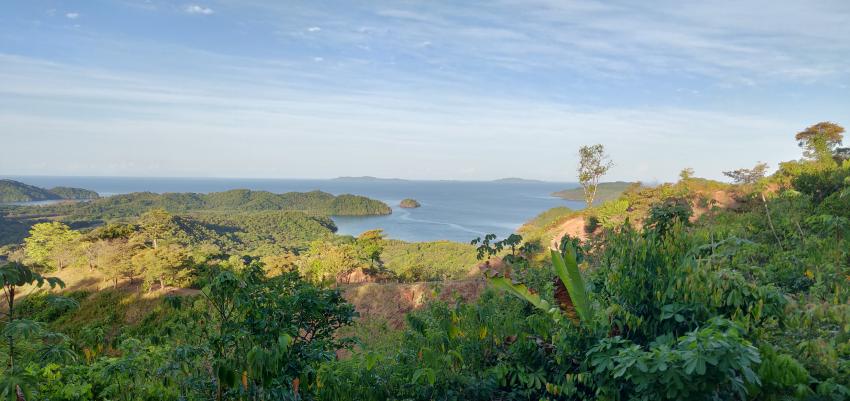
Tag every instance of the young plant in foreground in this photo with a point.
(16, 382)
(570, 291)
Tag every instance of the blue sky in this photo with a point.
(424, 90)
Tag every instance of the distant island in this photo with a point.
(409, 203)
(517, 180)
(15, 191)
(367, 178)
(606, 191)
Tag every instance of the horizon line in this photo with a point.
(363, 178)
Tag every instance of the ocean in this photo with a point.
(451, 210)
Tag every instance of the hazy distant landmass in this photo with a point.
(507, 180)
(517, 180)
(368, 178)
(606, 191)
(16, 191)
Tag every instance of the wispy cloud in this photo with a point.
(443, 87)
(72, 15)
(424, 129)
(198, 9)
(728, 42)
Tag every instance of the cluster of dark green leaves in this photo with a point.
(245, 336)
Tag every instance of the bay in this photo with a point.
(451, 210)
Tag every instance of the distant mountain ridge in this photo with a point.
(16, 191)
(368, 178)
(517, 180)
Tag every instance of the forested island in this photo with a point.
(15, 191)
(307, 210)
(409, 203)
(689, 290)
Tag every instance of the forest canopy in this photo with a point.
(14, 191)
(134, 204)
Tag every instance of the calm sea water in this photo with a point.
(451, 210)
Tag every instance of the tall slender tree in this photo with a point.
(593, 164)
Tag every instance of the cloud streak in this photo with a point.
(322, 134)
(198, 9)
(731, 43)
(471, 90)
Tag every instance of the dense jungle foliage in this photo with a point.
(236, 204)
(134, 204)
(696, 290)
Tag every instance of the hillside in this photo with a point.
(606, 191)
(74, 193)
(691, 290)
(242, 200)
(306, 220)
(15, 191)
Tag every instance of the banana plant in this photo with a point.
(570, 291)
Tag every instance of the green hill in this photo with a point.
(15, 191)
(606, 191)
(74, 193)
(238, 200)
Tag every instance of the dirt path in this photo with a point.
(574, 227)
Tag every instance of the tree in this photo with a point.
(686, 174)
(88, 250)
(593, 164)
(841, 155)
(280, 263)
(155, 225)
(820, 140)
(751, 176)
(113, 259)
(371, 244)
(166, 264)
(266, 333)
(330, 262)
(51, 245)
(748, 176)
(663, 216)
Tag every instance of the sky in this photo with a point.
(421, 90)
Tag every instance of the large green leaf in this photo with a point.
(522, 292)
(567, 270)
